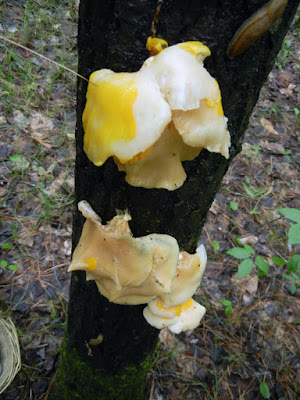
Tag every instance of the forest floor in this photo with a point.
(255, 345)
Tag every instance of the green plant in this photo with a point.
(216, 246)
(247, 255)
(5, 264)
(293, 263)
(233, 205)
(264, 390)
(256, 149)
(228, 306)
(253, 191)
(284, 53)
(287, 153)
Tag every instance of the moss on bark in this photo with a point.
(77, 379)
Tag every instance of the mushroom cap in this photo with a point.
(165, 254)
(127, 113)
(180, 318)
(189, 319)
(124, 115)
(189, 273)
(180, 75)
(162, 166)
(105, 253)
(127, 270)
(204, 127)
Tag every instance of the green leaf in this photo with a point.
(245, 268)
(16, 158)
(290, 213)
(6, 246)
(239, 253)
(3, 263)
(293, 263)
(296, 111)
(262, 264)
(278, 261)
(288, 277)
(215, 245)
(228, 310)
(226, 303)
(248, 191)
(247, 179)
(233, 205)
(249, 248)
(294, 234)
(264, 390)
(13, 267)
(293, 288)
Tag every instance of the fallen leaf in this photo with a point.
(249, 239)
(275, 148)
(40, 128)
(268, 126)
(214, 208)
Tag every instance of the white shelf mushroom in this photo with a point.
(161, 115)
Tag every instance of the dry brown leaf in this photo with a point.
(40, 128)
(166, 337)
(248, 284)
(268, 126)
(249, 239)
(215, 208)
(275, 148)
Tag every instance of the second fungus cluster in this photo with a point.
(148, 269)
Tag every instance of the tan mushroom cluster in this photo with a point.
(152, 120)
(149, 269)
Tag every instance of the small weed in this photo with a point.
(286, 153)
(228, 306)
(264, 390)
(284, 54)
(216, 246)
(249, 259)
(5, 264)
(253, 191)
(293, 263)
(247, 254)
(233, 205)
(256, 149)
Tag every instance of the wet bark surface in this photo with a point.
(113, 34)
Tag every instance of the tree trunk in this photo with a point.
(112, 34)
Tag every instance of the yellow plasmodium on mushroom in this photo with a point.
(155, 45)
(149, 269)
(164, 113)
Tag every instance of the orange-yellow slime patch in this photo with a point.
(139, 156)
(91, 263)
(195, 48)
(215, 104)
(108, 117)
(177, 309)
(155, 45)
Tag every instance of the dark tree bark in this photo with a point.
(112, 34)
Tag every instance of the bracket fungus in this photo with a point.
(149, 269)
(161, 115)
